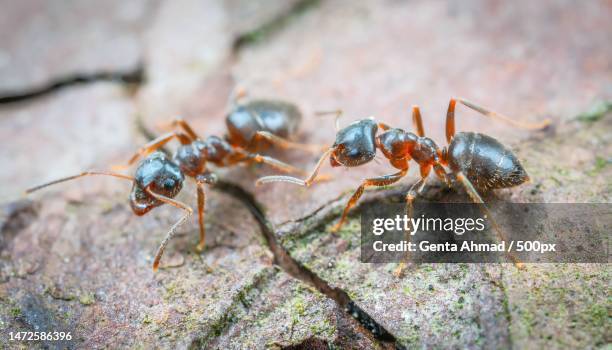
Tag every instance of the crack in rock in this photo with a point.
(133, 77)
(290, 265)
(295, 269)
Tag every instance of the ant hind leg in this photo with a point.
(450, 117)
(473, 193)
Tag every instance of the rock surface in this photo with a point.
(74, 258)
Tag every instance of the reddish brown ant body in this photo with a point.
(158, 179)
(477, 161)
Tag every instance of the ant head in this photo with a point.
(161, 176)
(216, 149)
(355, 144)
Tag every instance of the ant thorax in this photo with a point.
(425, 151)
(399, 146)
(192, 158)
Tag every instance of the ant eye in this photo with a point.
(169, 184)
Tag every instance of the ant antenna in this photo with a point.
(337, 112)
(172, 231)
(238, 93)
(68, 178)
(294, 180)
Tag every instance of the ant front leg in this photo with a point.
(202, 179)
(473, 193)
(377, 181)
(172, 231)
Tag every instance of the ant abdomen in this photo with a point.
(158, 174)
(276, 117)
(485, 161)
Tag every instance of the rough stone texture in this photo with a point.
(75, 258)
(41, 41)
(76, 129)
(85, 266)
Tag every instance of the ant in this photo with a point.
(479, 162)
(158, 179)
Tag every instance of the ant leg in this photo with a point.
(68, 178)
(377, 181)
(383, 126)
(410, 197)
(172, 231)
(284, 143)
(201, 208)
(207, 178)
(309, 180)
(450, 117)
(180, 122)
(450, 120)
(417, 121)
(419, 186)
(467, 184)
(158, 143)
(441, 173)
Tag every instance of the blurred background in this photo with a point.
(83, 82)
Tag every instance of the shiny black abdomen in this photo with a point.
(356, 143)
(485, 161)
(277, 117)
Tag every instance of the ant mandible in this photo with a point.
(158, 179)
(477, 161)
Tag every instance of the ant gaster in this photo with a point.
(158, 179)
(479, 162)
